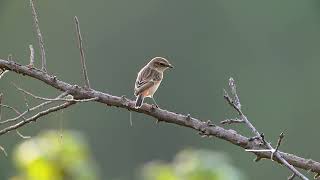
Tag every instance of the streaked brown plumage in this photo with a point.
(149, 79)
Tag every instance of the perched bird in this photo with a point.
(149, 79)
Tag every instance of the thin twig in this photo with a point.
(233, 87)
(12, 108)
(54, 99)
(258, 150)
(292, 176)
(82, 56)
(3, 72)
(31, 64)
(37, 116)
(4, 151)
(39, 35)
(130, 118)
(281, 136)
(237, 106)
(231, 121)
(25, 101)
(33, 109)
(22, 136)
(1, 99)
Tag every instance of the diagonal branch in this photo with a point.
(204, 128)
(82, 56)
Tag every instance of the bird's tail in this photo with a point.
(139, 101)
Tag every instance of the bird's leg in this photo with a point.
(155, 103)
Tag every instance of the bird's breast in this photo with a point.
(149, 92)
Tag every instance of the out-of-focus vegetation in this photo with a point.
(54, 156)
(193, 165)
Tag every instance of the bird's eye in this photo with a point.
(162, 64)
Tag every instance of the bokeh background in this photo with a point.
(271, 48)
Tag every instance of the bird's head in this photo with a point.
(160, 64)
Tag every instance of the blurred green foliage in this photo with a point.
(193, 165)
(55, 156)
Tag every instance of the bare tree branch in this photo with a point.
(39, 35)
(55, 99)
(35, 117)
(204, 128)
(82, 56)
(32, 109)
(235, 103)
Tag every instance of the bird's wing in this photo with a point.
(144, 87)
(147, 77)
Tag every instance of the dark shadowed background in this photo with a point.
(271, 48)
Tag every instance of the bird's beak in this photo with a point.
(170, 66)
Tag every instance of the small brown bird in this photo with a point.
(149, 79)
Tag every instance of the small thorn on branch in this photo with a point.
(203, 134)
(209, 123)
(231, 121)
(39, 35)
(82, 56)
(125, 101)
(188, 117)
(258, 158)
(31, 64)
(254, 138)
